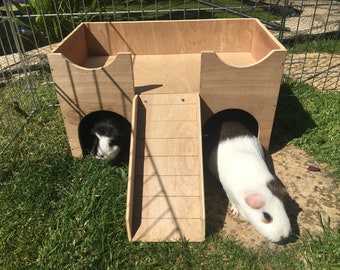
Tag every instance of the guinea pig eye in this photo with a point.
(112, 142)
(267, 218)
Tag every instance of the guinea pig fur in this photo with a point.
(238, 162)
(108, 139)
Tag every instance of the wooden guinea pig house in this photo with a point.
(167, 78)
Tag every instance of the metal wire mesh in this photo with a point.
(30, 29)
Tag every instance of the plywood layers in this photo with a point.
(166, 185)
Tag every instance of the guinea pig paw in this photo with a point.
(233, 211)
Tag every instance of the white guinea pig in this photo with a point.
(238, 162)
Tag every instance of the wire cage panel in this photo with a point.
(31, 29)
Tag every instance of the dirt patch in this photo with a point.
(310, 193)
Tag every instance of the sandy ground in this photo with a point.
(310, 194)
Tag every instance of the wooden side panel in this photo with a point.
(168, 174)
(175, 37)
(171, 37)
(201, 173)
(74, 47)
(81, 91)
(170, 73)
(253, 89)
(263, 42)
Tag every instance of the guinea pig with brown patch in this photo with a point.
(238, 162)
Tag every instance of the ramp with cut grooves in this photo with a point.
(165, 193)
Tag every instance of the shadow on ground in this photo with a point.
(291, 119)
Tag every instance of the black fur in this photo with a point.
(105, 123)
(232, 129)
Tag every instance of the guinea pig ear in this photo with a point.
(255, 200)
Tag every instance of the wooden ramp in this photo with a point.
(165, 192)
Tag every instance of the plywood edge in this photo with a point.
(240, 60)
(90, 63)
(75, 146)
(200, 155)
(131, 169)
(212, 58)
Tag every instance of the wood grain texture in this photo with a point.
(81, 91)
(165, 57)
(253, 88)
(169, 230)
(168, 168)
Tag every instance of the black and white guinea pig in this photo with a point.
(238, 162)
(107, 139)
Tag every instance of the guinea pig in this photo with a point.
(109, 137)
(238, 162)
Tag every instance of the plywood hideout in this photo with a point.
(167, 78)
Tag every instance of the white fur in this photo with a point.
(105, 151)
(243, 172)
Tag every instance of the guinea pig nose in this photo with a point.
(284, 239)
(284, 236)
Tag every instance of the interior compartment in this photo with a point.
(168, 54)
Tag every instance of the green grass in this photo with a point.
(326, 43)
(309, 119)
(180, 9)
(18, 101)
(60, 212)
(116, 11)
